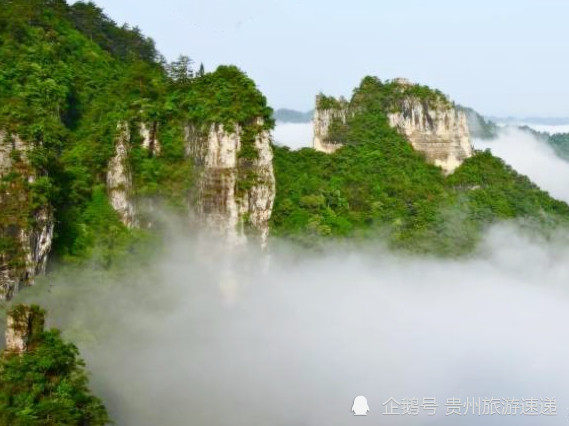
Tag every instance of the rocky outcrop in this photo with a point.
(26, 221)
(24, 325)
(119, 178)
(236, 188)
(324, 114)
(434, 128)
(429, 121)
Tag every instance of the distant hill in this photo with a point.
(291, 116)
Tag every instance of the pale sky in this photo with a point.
(501, 57)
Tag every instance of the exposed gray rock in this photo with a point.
(323, 118)
(224, 203)
(439, 131)
(119, 178)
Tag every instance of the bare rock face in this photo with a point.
(235, 192)
(321, 122)
(23, 325)
(119, 178)
(26, 227)
(439, 131)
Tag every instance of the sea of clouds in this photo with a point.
(205, 336)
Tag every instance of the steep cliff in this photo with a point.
(26, 217)
(236, 184)
(228, 137)
(328, 113)
(119, 178)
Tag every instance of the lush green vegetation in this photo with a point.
(324, 102)
(47, 385)
(378, 185)
(388, 96)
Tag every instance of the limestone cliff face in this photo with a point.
(432, 126)
(26, 224)
(235, 194)
(324, 115)
(119, 178)
(438, 130)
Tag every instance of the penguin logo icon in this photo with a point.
(360, 406)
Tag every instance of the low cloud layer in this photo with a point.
(204, 336)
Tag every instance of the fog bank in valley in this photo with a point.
(203, 336)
